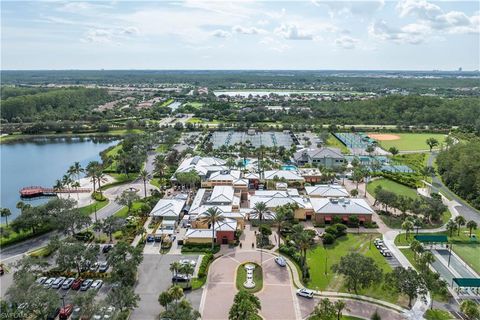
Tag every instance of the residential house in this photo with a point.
(276, 198)
(327, 191)
(325, 156)
(326, 209)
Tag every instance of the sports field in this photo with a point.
(406, 141)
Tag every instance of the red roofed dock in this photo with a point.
(37, 191)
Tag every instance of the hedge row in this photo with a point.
(203, 269)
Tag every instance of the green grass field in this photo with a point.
(437, 314)
(411, 141)
(332, 141)
(320, 260)
(469, 253)
(392, 186)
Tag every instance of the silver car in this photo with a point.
(48, 283)
(68, 283)
(58, 283)
(97, 284)
(305, 293)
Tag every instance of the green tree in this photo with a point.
(110, 225)
(165, 299)
(5, 213)
(144, 176)
(324, 310)
(471, 225)
(339, 306)
(432, 143)
(127, 198)
(86, 302)
(416, 247)
(375, 316)
(406, 281)
(245, 306)
(360, 272)
(75, 255)
(460, 221)
(123, 298)
(124, 260)
(407, 225)
(393, 150)
(212, 217)
(470, 309)
(451, 227)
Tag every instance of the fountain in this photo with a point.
(249, 283)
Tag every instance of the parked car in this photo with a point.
(305, 293)
(85, 266)
(109, 313)
(66, 311)
(103, 267)
(77, 283)
(67, 283)
(76, 313)
(107, 248)
(189, 261)
(386, 253)
(150, 238)
(281, 261)
(54, 314)
(97, 284)
(180, 278)
(58, 283)
(48, 282)
(86, 284)
(94, 267)
(41, 280)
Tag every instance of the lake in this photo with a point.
(40, 162)
(262, 93)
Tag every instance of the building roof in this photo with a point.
(318, 153)
(467, 282)
(203, 208)
(340, 206)
(277, 198)
(252, 176)
(283, 174)
(202, 165)
(199, 233)
(168, 208)
(226, 225)
(327, 191)
(221, 194)
(225, 175)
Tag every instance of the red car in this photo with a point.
(66, 311)
(76, 284)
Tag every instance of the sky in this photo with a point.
(192, 34)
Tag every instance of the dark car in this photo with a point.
(2, 271)
(77, 283)
(180, 278)
(66, 311)
(150, 238)
(54, 314)
(107, 248)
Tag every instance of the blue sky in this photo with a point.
(403, 35)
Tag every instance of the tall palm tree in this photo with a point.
(339, 306)
(211, 217)
(76, 169)
(460, 221)
(174, 268)
(426, 259)
(176, 292)
(58, 185)
(5, 213)
(92, 172)
(67, 181)
(407, 225)
(144, 176)
(303, 243)
(76, 185)
(471, 225)
(101, 177)
(159, 164)
(279, 220)
(260, 209)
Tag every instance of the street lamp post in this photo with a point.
(63, 300)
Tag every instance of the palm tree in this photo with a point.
(67, 181)
(211, 217)
(58, 185)
(416, 247)
(451, 226)
(339, 306)
(92, 170)
(407, 225)
(5, 213)
(76, 185)
(165, 299)
(460, 222)
(144, 176)
(470, 309)
(230, 163)
(260, 209)
(471, 225)
(417, 223)
(101, 177)
(159, 164)
(174, 268)
(76, 169)
(176, 292)
(279, 220)
(188, 270)
(302, 241)
(426, 259)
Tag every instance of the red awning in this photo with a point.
(362, 219)
(328, 218)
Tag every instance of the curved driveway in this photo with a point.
(277, 297)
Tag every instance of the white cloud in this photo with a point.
(98, 36)
(412, 33)
(221, 33)
(292, 32)
(247, 30)
(343, 9)
(346, 42)
(274, 44)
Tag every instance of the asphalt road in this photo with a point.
(463, 209)
(155, 277)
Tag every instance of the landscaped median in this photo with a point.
(199, 281)
(241, 277)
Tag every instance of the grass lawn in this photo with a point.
(469, 253)
(162, 148)
(437, 314)
(194, 104)
(412, 141)
(198, 120)
(395, 222)
(91, 208)
(392, 186)
(320, 259)
(242, 276)
(123, 213)
(332, 141)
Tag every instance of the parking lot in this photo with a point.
(155, 277)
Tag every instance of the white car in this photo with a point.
(48, 282)
(305, 293)
(41, 280)
(281, 261)
(58, 283)
(97, 284)
(67, 283)
(188, 261)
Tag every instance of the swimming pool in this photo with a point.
(289, 167)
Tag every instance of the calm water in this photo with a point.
(41, 162)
